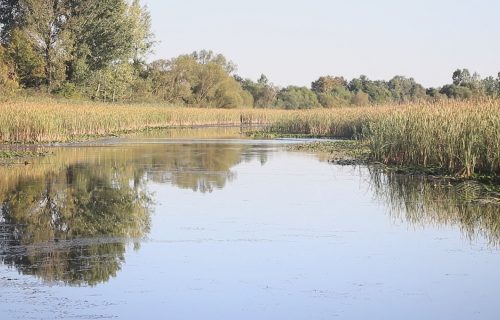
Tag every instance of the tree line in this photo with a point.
(97, 49)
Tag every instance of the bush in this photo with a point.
(68, 90)
(360, 99)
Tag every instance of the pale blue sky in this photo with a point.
(295, 42)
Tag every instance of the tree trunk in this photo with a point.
(48, 67)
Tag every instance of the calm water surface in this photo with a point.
(191, 226)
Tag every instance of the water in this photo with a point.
(198, 227)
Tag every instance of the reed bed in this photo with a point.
(461, 138)
(339, 123)
(29, 122)
(453, 137)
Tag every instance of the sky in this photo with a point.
(295, 42)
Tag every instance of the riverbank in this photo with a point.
(460, 139)
(479, 189)
(12, 156)
(343, 152)
(34, 123)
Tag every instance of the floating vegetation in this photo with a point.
(343, 152)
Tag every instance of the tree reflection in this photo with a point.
(199, 167)
(71, 220)
(426, 201)
(50, 221)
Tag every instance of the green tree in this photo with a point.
(462, 77)
(332, 91)
(434, 94)
(491, 86)
(208, 76)
(102, 33)
(326, 85)
(45, 24)
(229, 94)
(171, 80)
(457, 92)
(405, 89)
(263, 92)
(293, 97)
(200, 79)
(28, 63)
(8, 79)
(142, 36)
(205, 57)
(378, 90)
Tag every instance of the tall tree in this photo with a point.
(405, 89)
(293, 97)
(142, 36)
(327, 84)
(45, 22)
(101, 31)
(28, 63)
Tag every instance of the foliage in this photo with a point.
(29, 64)
(297, 98)
(405, 89)
(97, 49)
(360, 99)
(456, 91)
(8, 80)
(59, 42)
(201, 79)
(264, 93)
(11, 15)
(332, 91)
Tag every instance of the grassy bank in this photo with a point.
(459, 138)
(30, 122)
(41, 122)
(450, 137)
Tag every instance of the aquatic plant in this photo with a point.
(461, 138)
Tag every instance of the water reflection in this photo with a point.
(48, 223)
(426, 201)
(70, 217)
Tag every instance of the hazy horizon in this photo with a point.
(295, 42)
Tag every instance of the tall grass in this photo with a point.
(456, 137)
(30, 122)
(339, 123)
(461, 138)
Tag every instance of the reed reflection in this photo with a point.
(426, 201)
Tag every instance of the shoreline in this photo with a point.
(340, 151)
(356, 152)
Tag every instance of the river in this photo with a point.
(206, 224)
